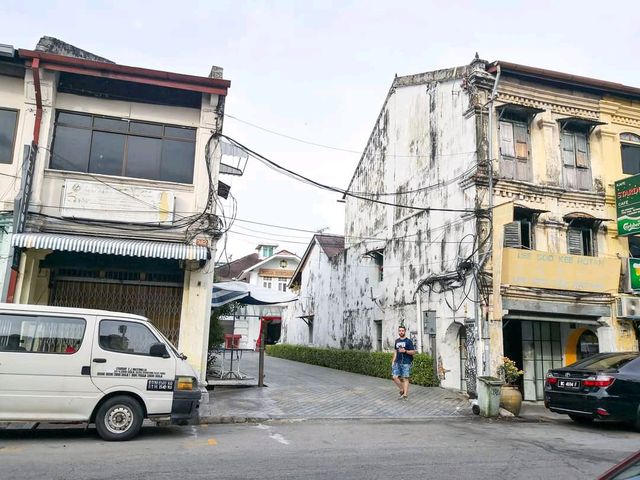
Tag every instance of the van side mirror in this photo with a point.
(159, 350)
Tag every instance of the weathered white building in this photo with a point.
(479, 216)
(114, 173)
(267, 268)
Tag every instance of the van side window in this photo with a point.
(40, 334)
(126, 337)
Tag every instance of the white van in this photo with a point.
(77, 365)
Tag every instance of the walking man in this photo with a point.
(401, 364)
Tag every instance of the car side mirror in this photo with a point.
(159, 350)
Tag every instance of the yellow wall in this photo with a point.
(546, 191)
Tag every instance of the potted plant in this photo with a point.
(511, 397)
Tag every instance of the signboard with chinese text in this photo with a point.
(532, 268)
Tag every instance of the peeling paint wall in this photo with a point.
(421, 146)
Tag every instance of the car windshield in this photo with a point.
(609, 362)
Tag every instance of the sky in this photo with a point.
(319, 71)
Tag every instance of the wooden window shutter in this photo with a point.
(582, 155)
(506, 139)
(512, 235)
(568, 149)
(574, 241)
(522, 141)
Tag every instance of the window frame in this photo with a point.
(266, 280)
(521, 170)
(36, 317)
(127, 321)
(633, 142)
(92, 128)
(592, 241)
(12, 150)
(573, 133)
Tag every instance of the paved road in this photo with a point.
(463, 448)
(299, 390)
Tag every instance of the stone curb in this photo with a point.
(240, 419)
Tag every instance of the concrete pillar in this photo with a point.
(29, 286)
(195, 315)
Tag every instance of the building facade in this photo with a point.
(110, 192)
(481, 216)
(267, 268)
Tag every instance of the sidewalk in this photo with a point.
(300, 391)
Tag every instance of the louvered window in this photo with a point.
(514, 150)
(581, 241)
(520, 233)
(575, 160)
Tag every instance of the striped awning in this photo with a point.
(110, 246)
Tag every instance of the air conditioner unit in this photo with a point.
(629, 307)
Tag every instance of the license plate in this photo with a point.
(570, 384)
(160, 385)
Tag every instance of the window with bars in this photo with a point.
(128, 148)
(514, 149)
(630, 150)
(575, 159)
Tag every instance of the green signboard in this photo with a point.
(628, 205)
(634, 273)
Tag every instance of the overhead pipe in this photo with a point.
(15, 268)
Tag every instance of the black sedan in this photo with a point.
(605, 386)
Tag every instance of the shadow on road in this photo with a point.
(73, 433)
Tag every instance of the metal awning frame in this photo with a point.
(110, 246)
(524, 110)
(587, 124)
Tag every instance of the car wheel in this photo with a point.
(581, 419)
(119, 418)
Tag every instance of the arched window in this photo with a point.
(587, 345)
(630, 147)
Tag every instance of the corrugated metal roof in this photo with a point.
(110, 246)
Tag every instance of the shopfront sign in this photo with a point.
(116, 203)
(628, 205)
(532, 268)
(634, 273)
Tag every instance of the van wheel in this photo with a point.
(581, 419)
(119, 418)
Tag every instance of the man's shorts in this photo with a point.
(401, 370)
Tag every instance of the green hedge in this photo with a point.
(374, 364)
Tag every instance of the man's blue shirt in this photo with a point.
(407, 344)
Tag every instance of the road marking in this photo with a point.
(10, 449)
(279, 438)
(212, 441)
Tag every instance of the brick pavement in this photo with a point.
(300, 391)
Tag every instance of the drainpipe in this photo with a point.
(420, 321)
(485, 315)
(15, 268)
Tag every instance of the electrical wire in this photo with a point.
(322, 145)
(279, 168)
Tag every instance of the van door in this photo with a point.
(122, 360)
(44, 367)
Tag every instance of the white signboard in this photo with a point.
(116, 203)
